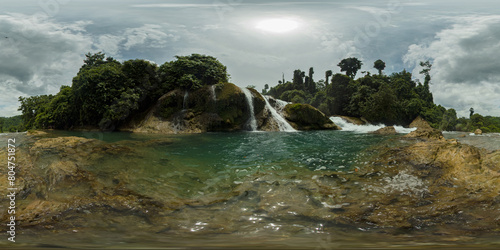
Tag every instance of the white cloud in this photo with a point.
(465, 64)
(150, 35)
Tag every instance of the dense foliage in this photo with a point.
(11, 124)
(105, 93)
(395, 99)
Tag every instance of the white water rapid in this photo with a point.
(252, 122)
(347, 126)
(283, 125)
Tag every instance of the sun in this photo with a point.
(277, 25)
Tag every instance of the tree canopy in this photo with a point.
(105, 92)
(350, 65)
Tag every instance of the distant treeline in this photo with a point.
(393, 100)
(107, 93)
(11, 124)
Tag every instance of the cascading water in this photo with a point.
(347, 126)
(252, 122)
(184, 103)
(283, 125)
(212, 91)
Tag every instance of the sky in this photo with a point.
(43, 42)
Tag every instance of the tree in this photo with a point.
(95, 88)
(328, 73)
(192, 72)
(379, 65)
(350, 65)
(298, 79)
(426, 72)
(310, 84)
(471, 112)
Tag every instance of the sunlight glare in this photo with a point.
(277, 25)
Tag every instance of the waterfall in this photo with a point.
(283, 125)
(347, 126)
(184, 103)
(252, 122)
(212, 90)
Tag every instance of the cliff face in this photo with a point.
(224, 107)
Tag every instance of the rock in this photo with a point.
(354, 120)
(306, 117)
(229, 111)
(35, 133)
(428, 183)
(390, 130)
(425, 134)
(419, 123)
(478, 132)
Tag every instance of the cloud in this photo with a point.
(465, 64)
(37, 56)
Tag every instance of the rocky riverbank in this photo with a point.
(416, 184)
(225, 107)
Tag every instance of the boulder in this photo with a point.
(35, 133)
(419, 122)
(478, 132)
(426, 133)
(390, 130)
(354, 120)
(424, 130)
(306, 117)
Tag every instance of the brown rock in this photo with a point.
(390, 130)
(419, 122)
(426, 133)
(35, 132)
(354, 120)
(478, 132)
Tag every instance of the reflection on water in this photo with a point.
(250, 190)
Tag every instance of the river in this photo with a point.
(265, 190)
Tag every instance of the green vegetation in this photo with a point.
(106, 93)
(393, 100)
(11, 124)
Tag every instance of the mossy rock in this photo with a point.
(231, 107)
(169, 104)
(306, 117)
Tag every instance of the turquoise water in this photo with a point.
(251, 190)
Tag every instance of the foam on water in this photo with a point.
(347, 126)
(282, 123)
(252, 122)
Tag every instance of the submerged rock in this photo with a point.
(429, 183)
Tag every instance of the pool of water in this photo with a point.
(251, 190)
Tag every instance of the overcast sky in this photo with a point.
(43, 43)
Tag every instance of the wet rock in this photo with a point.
(419, 122)
(426, 133)
(354, 120)
(478, 132)
(389, 130)
(433, 182)
(36, 133)
(306, 117)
